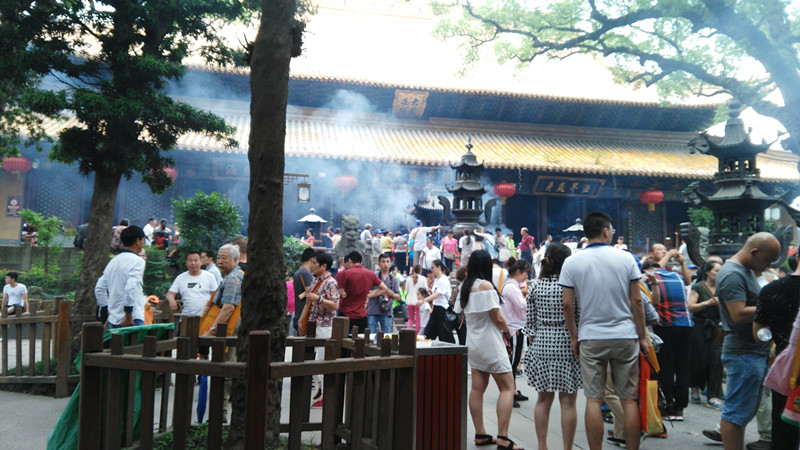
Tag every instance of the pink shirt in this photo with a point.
(290, 291)
(514, 306)
(449, 245)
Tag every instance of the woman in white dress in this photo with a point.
(480, 303)
(465, 244)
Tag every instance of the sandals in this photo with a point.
(510, 445)
(484, 439)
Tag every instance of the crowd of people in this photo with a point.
(585, 317)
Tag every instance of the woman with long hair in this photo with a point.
(309, 240)
(550, 364)
(706, 336)
(487, 355)
(440, 301)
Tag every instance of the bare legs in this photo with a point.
(541, 417)
(479, 382)
(632, 423)
(594, 423)
(505, 401)
(569, 417)
(732, 435)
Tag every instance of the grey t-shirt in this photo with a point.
(735, 283)
(302, 280)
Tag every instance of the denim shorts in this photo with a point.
(746, 374)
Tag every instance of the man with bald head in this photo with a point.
(744, 357)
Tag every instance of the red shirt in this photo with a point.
(526, 243)
(356, 282)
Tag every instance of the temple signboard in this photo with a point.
(567, 186)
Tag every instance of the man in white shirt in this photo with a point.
(149, 229)
(431, 254)
(120, 287)
(195, 287)
(15, 295)
(420, 236)
(207, 260)
(604, 282)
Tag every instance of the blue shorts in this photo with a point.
(746, 374)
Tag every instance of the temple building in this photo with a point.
(375, 125)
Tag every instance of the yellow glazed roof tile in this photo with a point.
(536, 148)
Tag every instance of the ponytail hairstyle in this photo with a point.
(554, 259)
(479, 266)
(467, 234)
(438, 263)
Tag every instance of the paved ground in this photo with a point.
(26, 420)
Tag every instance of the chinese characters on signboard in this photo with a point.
(13, 205)
(581, 187)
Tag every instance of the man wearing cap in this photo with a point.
(419, 237)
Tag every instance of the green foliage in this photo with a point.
(743, 48)
(156, 280)
(46, 272)
(292, 250)
(207, 221)
(125, 119)
(197, 437)
(31, 38)
(701, 217)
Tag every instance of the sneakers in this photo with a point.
(695, 400)
(516, 404)
(759, 445)
(674, 418)
(713, 435)
(608, 417)
(519, 397)
(317, 404)
(716, 404)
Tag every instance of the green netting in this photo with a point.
(64, 434)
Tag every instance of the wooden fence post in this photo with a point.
(181, 415)
(62, 348)
(91, 383)
(257, 390)
(148, 387)
(405, 412)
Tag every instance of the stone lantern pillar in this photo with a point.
(738, 203)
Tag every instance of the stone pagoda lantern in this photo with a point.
(738, 203)
(467, 193)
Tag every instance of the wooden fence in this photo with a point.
(53, 329)
(368, 389)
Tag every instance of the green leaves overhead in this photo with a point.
(747, 49)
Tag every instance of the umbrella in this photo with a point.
(577, 227)
(202, 397)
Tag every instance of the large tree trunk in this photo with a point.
(264, 290)
(96, 249)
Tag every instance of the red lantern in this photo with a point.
(651, 198)
(345, 183)
(171, 172)
(17, 164)
(504, 190)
